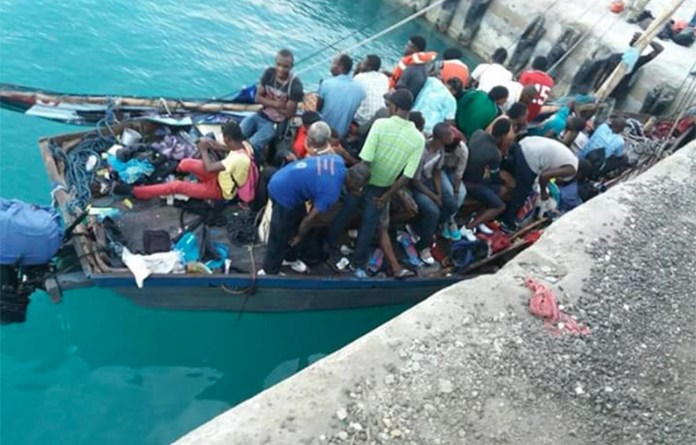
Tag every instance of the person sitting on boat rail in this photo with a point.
(340, 96)
(435, 204)
(452, 66)
(476, 109)
(536, 157)
(318, 179)
(482, 175)
(605, 149)
(278, 92)
(489, 75)
(376, 85)
(393, 147)
(216, 179)
(541, 81)
(412, 70)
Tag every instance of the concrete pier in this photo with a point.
(471, 365)
(505, 21)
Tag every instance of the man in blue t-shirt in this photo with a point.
(341, 96)
(318, 179)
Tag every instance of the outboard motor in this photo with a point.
(30, 236)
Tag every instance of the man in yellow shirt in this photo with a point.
(216, 179)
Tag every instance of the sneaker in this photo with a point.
(467, 233)
(447, 232)
(360, 273)
(454, 231)
(484, 229)
(353, 234)
(508, 227)
(427, 257)
(262, 273)
(342, 263)
(298, 266)
(345, 250)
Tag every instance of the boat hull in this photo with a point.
(272, 294)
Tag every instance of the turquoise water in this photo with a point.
(97, 368)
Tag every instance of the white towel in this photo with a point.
(142, 266)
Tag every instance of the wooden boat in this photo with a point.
(242, 289)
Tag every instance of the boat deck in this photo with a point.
(155, 214)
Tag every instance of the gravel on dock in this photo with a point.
(506, 380)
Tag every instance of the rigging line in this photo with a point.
(582, 38)
(378, 35)
(331, 45)
(684, 98)
(606, 31)
(516, 41)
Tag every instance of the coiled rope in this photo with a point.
(78, 178)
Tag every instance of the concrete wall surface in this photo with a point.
(471, 365)
(506, 20)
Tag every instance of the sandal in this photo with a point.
(405, 273)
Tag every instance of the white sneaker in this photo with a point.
(467, 233)
(484, 229)
(342, 263)
(298, 266)
(353, 234)
(262, 273)
(345, 250)
(427, 257)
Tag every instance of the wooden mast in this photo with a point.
(648, 36)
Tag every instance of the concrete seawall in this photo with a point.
(471, 365)
(505, 21)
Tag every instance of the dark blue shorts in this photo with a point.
(486, 194)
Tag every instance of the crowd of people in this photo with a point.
(402, 146)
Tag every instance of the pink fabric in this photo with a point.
(206, 188)
(543, 305)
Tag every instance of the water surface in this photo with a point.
(97, 368)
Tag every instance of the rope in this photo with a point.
(684, 98)
(77, 179)
(515, 42)
(606, 31)
(331, 45)
(379, 34)
(582, 37)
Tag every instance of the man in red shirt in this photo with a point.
(539, 78)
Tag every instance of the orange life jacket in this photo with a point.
(413, 59)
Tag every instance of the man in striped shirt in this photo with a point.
(393, 146)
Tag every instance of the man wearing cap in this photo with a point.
(393, 146)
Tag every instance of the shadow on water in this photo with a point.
(98, 365)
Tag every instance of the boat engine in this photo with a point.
(30, 236)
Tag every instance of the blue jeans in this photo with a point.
(284, 225)
(692, 23)
(450, 203)
(368, 225)
(524, 184)
(259, 130)
(426, 222)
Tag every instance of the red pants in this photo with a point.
(206, 188)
